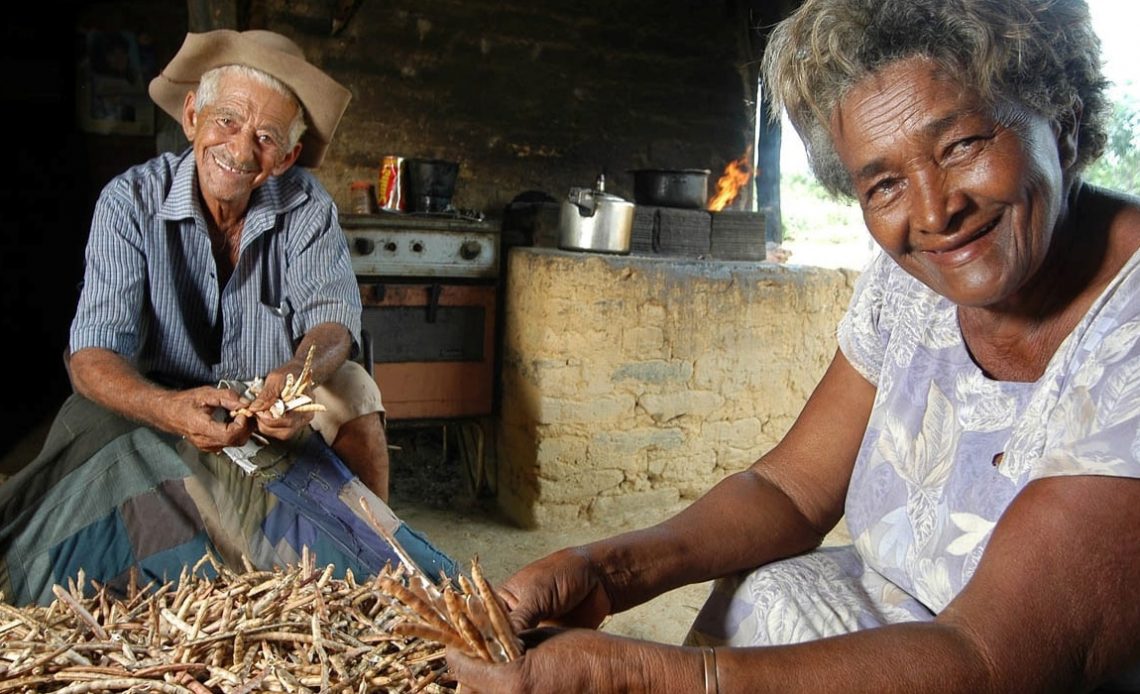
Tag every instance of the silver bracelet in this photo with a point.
(712, 680)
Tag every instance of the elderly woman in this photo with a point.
(978, 424)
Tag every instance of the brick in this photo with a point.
(642, 507)
(741, 348)
(624, 443)
(643, 341)
(665, 407)
(563, 449)
(561, 483)
(654, 371)
(594, 410)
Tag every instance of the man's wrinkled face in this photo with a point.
(240, 139)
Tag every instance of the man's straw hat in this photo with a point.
(323, 99)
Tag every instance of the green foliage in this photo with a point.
(811, 213)
(1119, 167)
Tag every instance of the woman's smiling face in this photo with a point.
(963, 198)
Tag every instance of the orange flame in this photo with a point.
(736, 174)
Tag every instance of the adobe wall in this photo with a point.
(632, 384)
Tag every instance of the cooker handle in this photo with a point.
(433, 301)
(583, 199)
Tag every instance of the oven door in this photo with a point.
(432, 347)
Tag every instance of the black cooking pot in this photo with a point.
(688, 188)
(429, 184)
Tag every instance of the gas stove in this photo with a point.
(422, 245)
(429, 294)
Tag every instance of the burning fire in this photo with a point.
(736, 174)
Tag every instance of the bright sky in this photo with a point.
(1115, 22)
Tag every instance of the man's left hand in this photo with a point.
(283, 427)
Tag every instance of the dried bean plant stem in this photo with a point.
(296, 628)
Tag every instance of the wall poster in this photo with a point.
(114, 70)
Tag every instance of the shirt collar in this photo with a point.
(181, 199)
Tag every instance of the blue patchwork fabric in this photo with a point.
(106, 497)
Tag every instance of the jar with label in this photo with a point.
(361, 198)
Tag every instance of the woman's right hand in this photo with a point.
(561, 589)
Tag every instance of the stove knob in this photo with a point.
(417, 247)
(470, 250)
(364, 246)
(390, 246)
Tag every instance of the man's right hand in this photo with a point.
(112, 381)
(192, 413)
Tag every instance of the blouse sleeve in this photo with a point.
(1094, 426)
(863, 331)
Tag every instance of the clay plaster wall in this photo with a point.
(632, 384)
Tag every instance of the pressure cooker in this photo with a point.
(590, 219)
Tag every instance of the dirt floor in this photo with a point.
(431, 492)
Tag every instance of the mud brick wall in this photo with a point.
(632, 384)
(530, 95)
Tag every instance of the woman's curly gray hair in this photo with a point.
(1042, 54)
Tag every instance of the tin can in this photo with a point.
(390, 191)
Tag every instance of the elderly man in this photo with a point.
(215, 280)
(227, 262)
